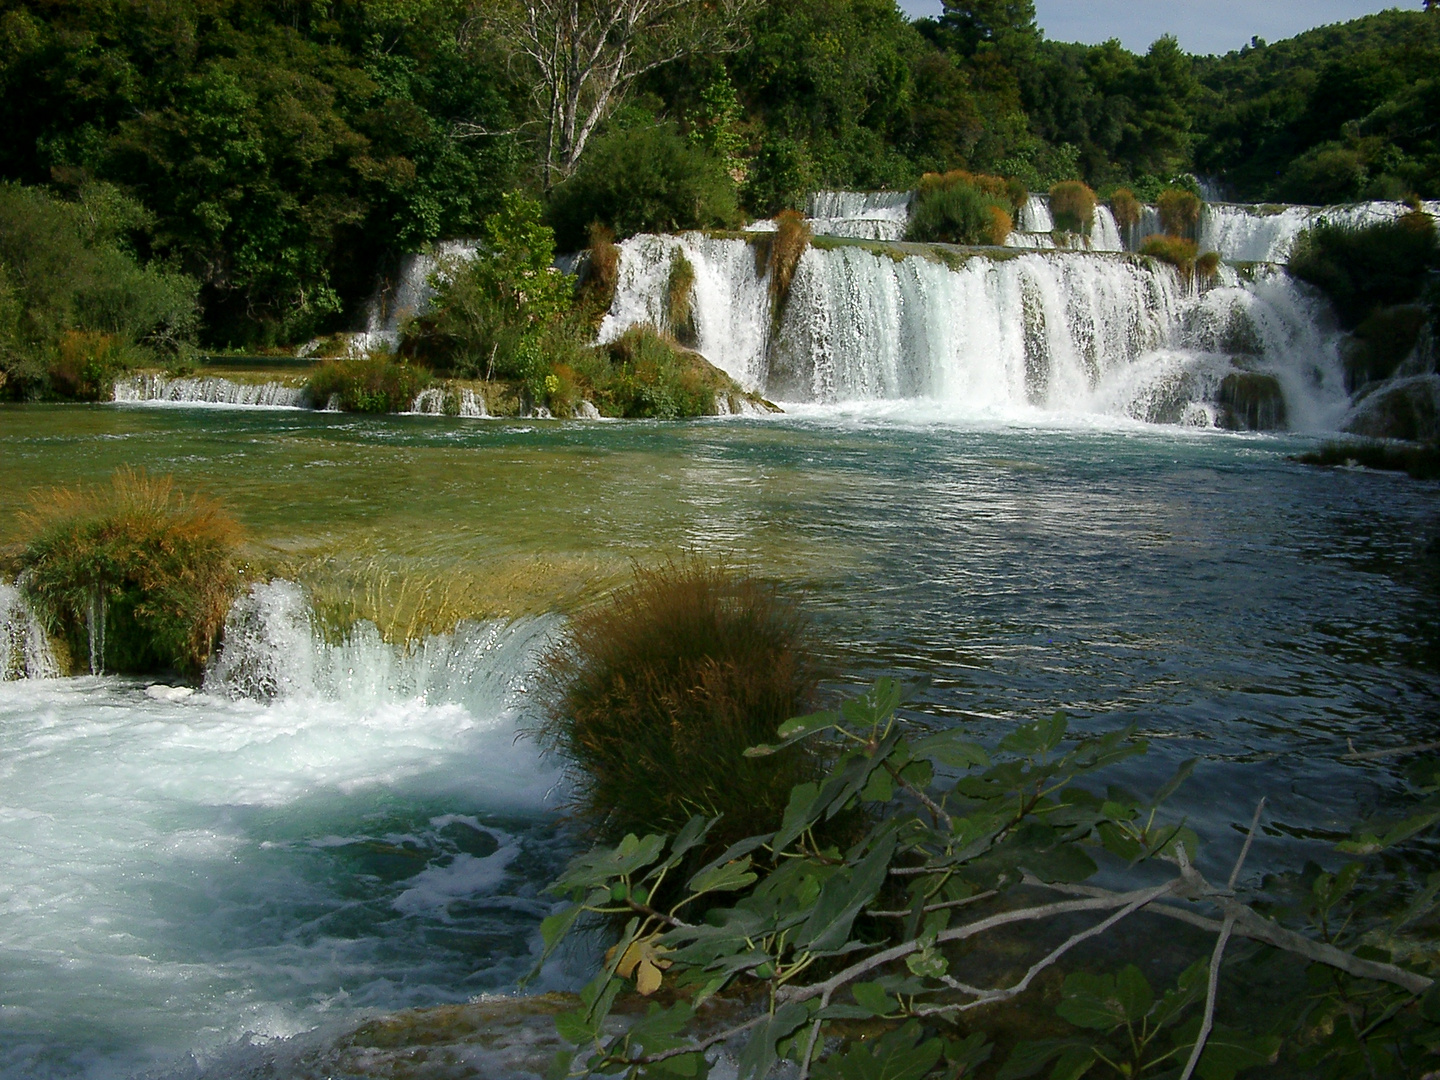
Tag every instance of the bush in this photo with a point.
(1173, 250)
(1125, 207)
(1179, 211)
(779, 177)
(643, 179)
(1072, 205)
(375, 383)
(75, 305)
(1362, 269)
(657, 694)
(491, 310)
(962, 208)
(1382, 342)
(1325, 174)
(135, 576)
(600, 275)
(645, 375)
(1208, 265)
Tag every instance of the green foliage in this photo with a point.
(679, 299)
(714, 125)
(1173, 250)
(645, 375)
(135, 576)
(1072, 205)
(643, 179)
(493, 311)
(281, 152)
(834, 945)
(658, 693)
(962, 208)
(1361, 269)
(779, 177)
(375, 383)
(76, 306)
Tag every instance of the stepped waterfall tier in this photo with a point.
(982, 333)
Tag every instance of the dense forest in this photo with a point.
(265, 160)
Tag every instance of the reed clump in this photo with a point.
(644, 374)
(1176, 251)
(1125, 207)
(374, 383)
(656, 695)
(601, 274)
(960, 207)
(792, 236)
(679, 299)
(1072, 205)
(134, 575)
(1179, 210)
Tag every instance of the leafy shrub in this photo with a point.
(135, 575)
(1125, 207)
(600, 276)
(1362, 269)
(1325, 174)
(779, 177)
(86, 363)
(491, 310)
(1173, 250)
(1179, 210)
(375, 383)
(658, 693)
(643, 374)
(1072, 205)
(75, 305)
(643, 179)
(962, 208)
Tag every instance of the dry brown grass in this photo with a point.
(656, 695)
(1179, 211)
(787, 246)
(1125, 207)
(149, 570)
(1072, 205)
(602, 273)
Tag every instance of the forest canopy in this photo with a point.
(285, 154)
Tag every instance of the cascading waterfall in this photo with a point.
(209, 390)
(861, 215)
(24, 645)
(1246, 233)
(1065, 332)
(411, 293)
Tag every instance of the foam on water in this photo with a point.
(325, 828)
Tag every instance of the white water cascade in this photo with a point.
(209, 390)
(1246, 233)
(325, 827)
(1058, 332)
(861, 215)
(24, 646)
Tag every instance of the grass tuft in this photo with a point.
(1179, 211)
(959, 207)
(1125, 208)
(657, 693)
(1072, 205)
(679, 299)
(787, 246)
(132, 575)
(1173, 250)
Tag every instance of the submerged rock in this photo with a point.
(1406, 408)
(1251, 402)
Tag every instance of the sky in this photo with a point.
(1203, 26)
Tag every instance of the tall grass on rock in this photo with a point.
(963, 208)
(1072, 205)
(657, 694)
(132, 575)
(374, 383)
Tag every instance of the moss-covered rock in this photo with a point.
(1251, 402)
(1402, 409)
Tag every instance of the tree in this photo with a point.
(585, 55)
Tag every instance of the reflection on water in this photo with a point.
(1228, 602)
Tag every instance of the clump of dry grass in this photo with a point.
(1177, 252)
(787, 246)
(1072, 205)
(134, 575)
(679, 297)
(1125, 207)
(656, 695)
(1179, 211)
(601, 274)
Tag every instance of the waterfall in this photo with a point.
(272, 651)
(1104, 232)
(429, 402)
(1062, 332)
(472, 407)
(1034, 216)
(209, 390)
(1246, 233)
(24, 646)
(732, 298)
(861, 215)
(411, 292)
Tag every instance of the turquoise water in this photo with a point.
(177, 874)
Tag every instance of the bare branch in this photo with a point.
(937, 907)
(1214, 985)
